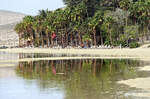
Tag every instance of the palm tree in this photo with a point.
(39, 28)
(83, 20)
(139, 11)
(125, 5)
(95, 21)
(19, 28)
(29, 32)
(107, 26)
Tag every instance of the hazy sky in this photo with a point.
(30, 6)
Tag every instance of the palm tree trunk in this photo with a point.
(51, 41)
(67, 39)
(148, 32)
(102, 42)
(80, 40)
(42, 39)
(110, 37)
(95, 37)
(19, 40)
(48, 41)
(71, 39)
(62, 40)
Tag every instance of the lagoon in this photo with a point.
(69, 79)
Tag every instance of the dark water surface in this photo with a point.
(69, 79)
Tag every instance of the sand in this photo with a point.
(7, 65)
(145, 68)
(57, 58)
(139, 53)
(146, 94)
(142, 54)
(142, 83)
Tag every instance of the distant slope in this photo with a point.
(8, 20)
(7, 17)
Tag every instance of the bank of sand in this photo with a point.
(140, 83)
(138, 54)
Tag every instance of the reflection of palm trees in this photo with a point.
(81, 76)
(53, 68)
(97, 66)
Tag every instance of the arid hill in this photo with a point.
(8, 20)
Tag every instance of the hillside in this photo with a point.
(8, 20)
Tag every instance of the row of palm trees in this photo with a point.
(77, 25)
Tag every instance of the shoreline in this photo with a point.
(60, 58)
(138, 53)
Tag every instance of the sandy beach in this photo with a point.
(142, 54)
(138, 53)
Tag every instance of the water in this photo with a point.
(69, 79)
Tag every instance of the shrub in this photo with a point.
(134, 45)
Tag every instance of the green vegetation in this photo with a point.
(134, 45)
(88, 22)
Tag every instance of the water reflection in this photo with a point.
(80, 79)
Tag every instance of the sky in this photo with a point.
(30, 7)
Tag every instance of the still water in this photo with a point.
(69, 79)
